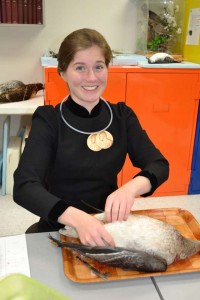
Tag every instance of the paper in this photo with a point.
(193, 32)
(14, 255)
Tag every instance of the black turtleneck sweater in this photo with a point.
(57, 169)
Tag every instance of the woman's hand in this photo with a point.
(119, 203)
(90, 230)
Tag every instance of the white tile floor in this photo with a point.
(15, 220)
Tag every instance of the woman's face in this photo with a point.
(86, 76)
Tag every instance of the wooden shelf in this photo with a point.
(20, 25)
(22, 12)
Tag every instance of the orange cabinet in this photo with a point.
(55, 87)
(165, 101)
(166, 104)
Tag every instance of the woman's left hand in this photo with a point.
(119, 203)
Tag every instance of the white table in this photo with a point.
(179, 287)
(47, 267)
(26, 107)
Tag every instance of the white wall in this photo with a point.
(22, 46)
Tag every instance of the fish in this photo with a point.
(142, 243)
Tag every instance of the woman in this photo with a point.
(75, 150)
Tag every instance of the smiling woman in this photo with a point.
(86, 75)
(75, 151)
(85, 66)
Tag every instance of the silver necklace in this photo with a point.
(97, 140)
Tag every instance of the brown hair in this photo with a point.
(79, 40)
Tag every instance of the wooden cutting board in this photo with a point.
(181, 219)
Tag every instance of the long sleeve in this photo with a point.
(30, 186)
(144, 154)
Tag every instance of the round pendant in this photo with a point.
(91, 142)
(104, 139)
(100, 140)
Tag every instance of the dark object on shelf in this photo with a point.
(53, 54)
(15, 90)
(155, 23)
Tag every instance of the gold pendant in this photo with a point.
(100, 140)
(91, 142)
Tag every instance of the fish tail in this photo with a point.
(190, 247)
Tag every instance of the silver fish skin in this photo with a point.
(146, 234)
(117, 257)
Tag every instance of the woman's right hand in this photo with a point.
(90, 230)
